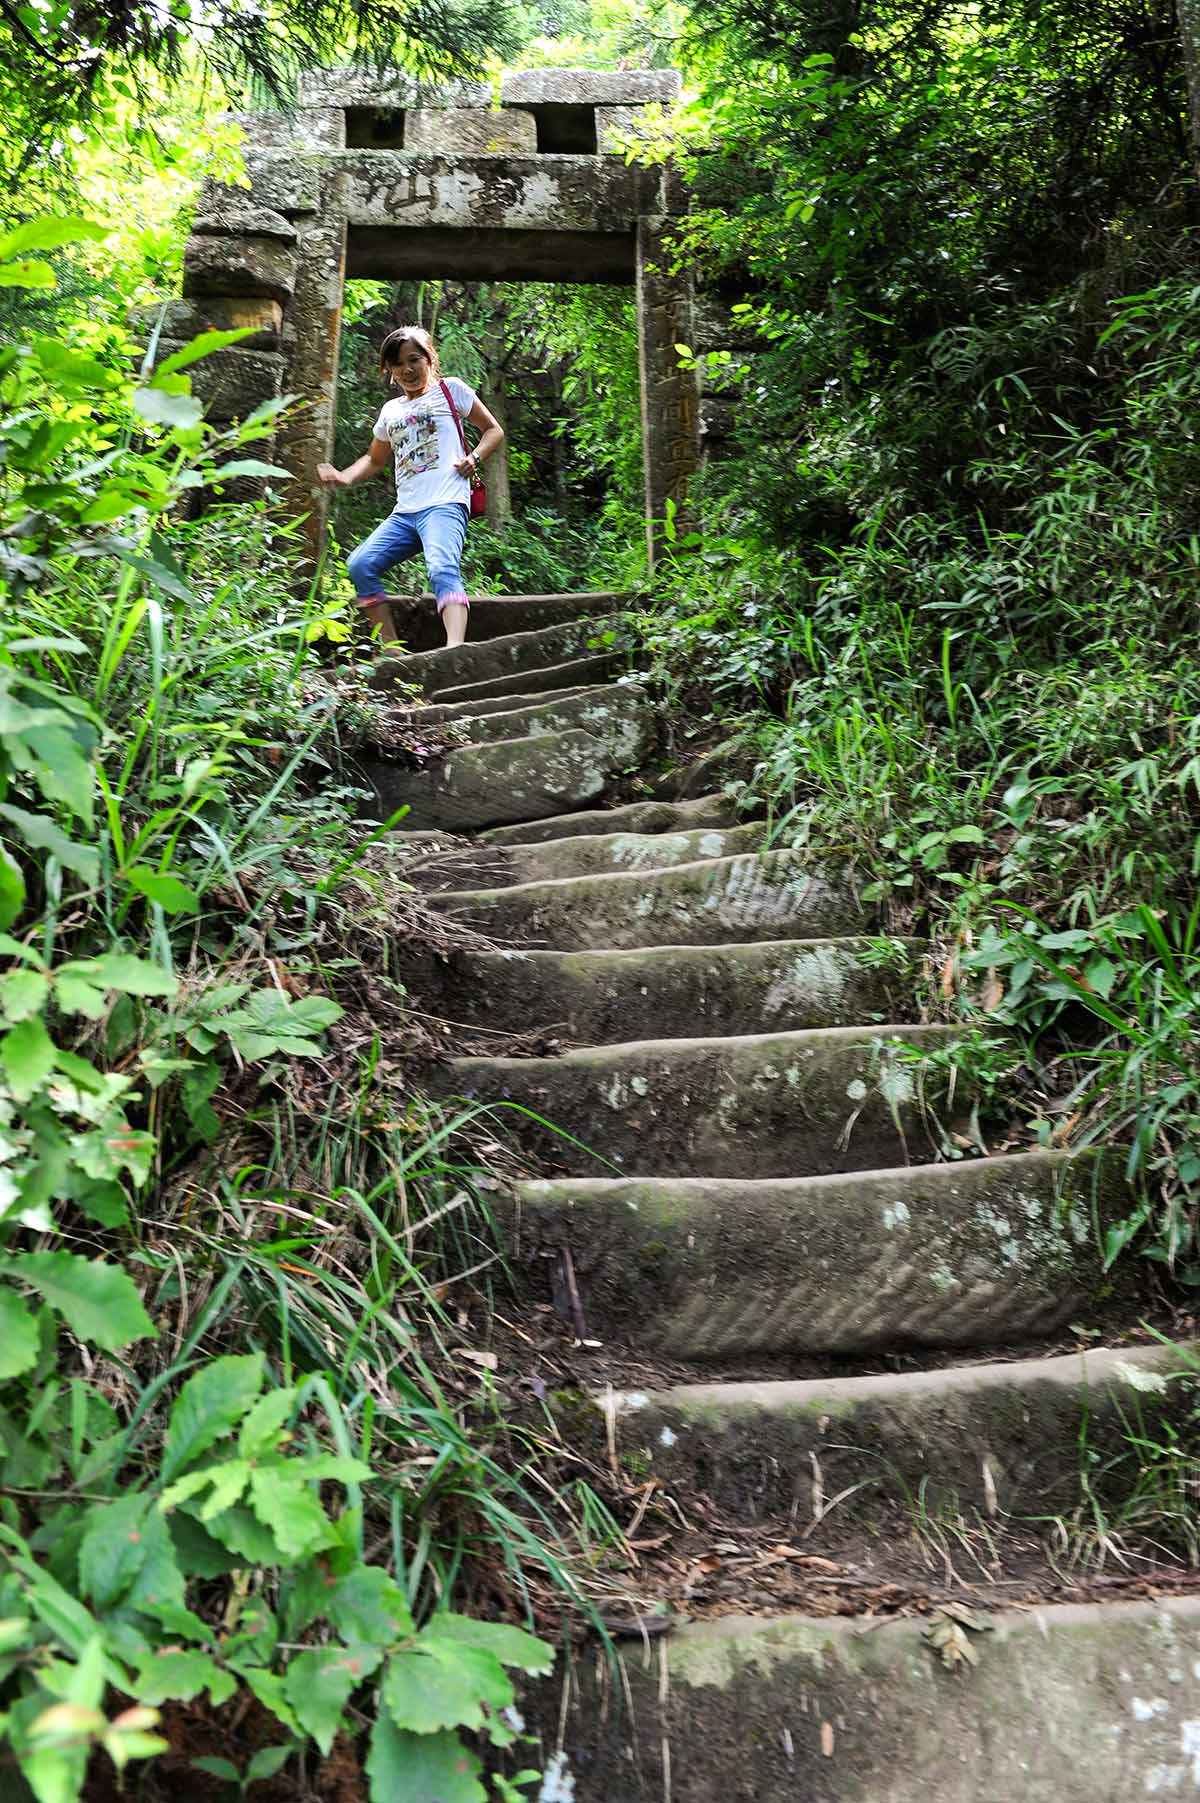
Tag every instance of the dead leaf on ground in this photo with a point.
(827, 1739)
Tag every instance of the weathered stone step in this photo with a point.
(1018, 1438)
(621, 721)
(576, 672)
(602, 711)
(492, 660)
(513, 779)
(768, 1105)
(498, 616)
(635, 817)
(717, 901)
(1069, 1703)
(977, 1253)
(436, 713)
(602, 998)
(599, 854)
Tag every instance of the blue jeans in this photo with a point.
(438, 531)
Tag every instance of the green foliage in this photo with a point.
(946, 594)
(180, 1522)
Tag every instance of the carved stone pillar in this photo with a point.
(670, 424)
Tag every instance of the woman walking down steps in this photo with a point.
(420, 431)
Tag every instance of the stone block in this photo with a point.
(589, 87)
(322, 88)
(317, 128)
(613, 122)
(453, 131)
(186, 319)
(235, 219)
(284, 182)
(582, 194)
(235, 266)
(233, 382)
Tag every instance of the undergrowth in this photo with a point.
(989, 709)
(262, 1505)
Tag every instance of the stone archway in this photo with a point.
(382, 177)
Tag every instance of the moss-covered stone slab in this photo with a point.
(984, 1252)
(635, 817)
(1022, 1438)
(437, 713)
(498, 616)
(602, 854)
(513, 779)
(620, 715)
(771, 1105)
(484, 660)
(676, 991)
(1074, 1703)
(574, 673)
(711, 902)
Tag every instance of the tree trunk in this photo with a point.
(1189, 32)
(499, 492)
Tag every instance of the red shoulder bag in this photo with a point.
(478, 491)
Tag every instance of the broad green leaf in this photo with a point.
(27, 1054)
(18, 1334)
(98, 1301)
(163, 409)
(291, 1510)
(61, 771)
(31, 272)
(39, 831)
(261, 1430)
(367, 1605)
(22, 993)
(12, 889)
(202, 346)
(49, 233)
(158, 1588)
(176, 1674)
(172, 896)
(14, 1633)
(209, 1405)
(512, 1646)
(217, 1767)
(430, 1687)
(75, 992)
(113, 1548)
(132, 976)
(414, 1768)
(318, 1687)
(249, 466)
(245, 1535)
(267, 1761)
(268, 1688)
(228, 1482)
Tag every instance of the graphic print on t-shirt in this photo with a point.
(414, 439)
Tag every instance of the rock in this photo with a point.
(456, 132)
(229, 266)
(589, 87)
(978, 1253)
(366, 87)
(182, 320)
(233, 220)
(1079, 1703)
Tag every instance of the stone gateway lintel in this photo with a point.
(376, 175)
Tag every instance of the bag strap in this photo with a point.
(454, 410)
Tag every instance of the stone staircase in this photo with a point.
(738, 1157)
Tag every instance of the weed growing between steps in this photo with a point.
(264, 1519)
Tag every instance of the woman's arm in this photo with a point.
(361, 470)
(493, 438)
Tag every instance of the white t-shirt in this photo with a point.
(426, 446)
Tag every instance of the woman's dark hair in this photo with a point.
(393, 344)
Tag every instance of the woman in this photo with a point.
(419, 433)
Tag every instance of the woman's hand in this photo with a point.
(466, 466)
(330, 477)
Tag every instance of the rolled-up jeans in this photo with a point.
(438, 531)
